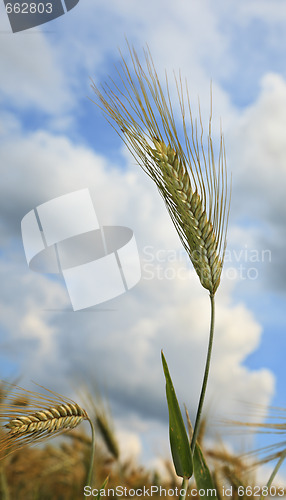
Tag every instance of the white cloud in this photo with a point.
(120, 343)
(27, 335)
(256, 154)
(257, 9)
(32, 76)
(259, 166)
(50, 72)
(129, 445)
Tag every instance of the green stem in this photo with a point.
(90, 469)
(184, 488)
(185, 482)
(205, 380)
(274, 472)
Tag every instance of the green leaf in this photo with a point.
(202, 476)
(180, 446)
(102, 487)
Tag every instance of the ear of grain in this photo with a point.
(100, 414)
(41, 417)
(50, 420)
(274, 451)
(176, 156)
(107, 434)
(190, 218)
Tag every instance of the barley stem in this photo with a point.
(90, 469)
(203, 391)
(274, 472)
(183, 489)
(205, 381)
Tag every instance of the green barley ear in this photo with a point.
(101, 415)
(107, 432)
(176, 157)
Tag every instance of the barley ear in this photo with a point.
(189, 216)
(176, 156)
(41, 417)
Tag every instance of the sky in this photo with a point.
(54, 140)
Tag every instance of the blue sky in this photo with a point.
(54, 140)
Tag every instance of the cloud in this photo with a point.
(129, 445)
(256, 154)
(27, 338)
(54, 73)
(33, 77)
(118, 344)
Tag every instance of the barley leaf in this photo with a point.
(180, 446)
(202, 476)
(102, 489)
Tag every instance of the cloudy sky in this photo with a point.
(54, 140)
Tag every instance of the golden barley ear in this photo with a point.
(176, 157)
(274, 422)
(42, 416)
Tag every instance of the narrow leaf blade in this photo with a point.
(102, 488)
(180, 446)
(202, 475)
